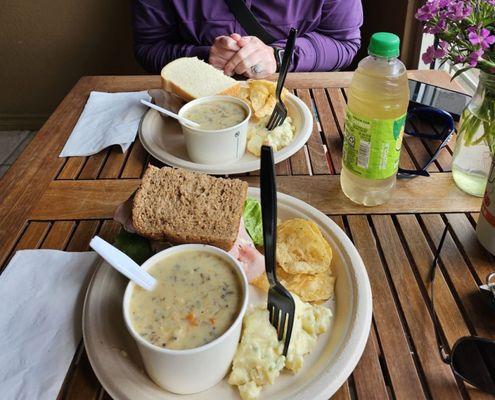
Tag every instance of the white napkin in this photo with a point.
(107, 119)
(41, 298)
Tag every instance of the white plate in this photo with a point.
(163, 139)
(117, 364)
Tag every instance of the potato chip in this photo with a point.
(301, 248)
(267, 109)
(261, 282)
(317, 287)
(313, 288)
(258, 96)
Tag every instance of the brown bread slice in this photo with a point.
(188, 207)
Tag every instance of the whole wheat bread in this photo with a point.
(188, 207)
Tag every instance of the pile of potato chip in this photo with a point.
(260, 95)
(303, 261)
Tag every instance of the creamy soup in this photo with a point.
(216, 114)
(197, 298)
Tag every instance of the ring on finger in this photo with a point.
(256, 69)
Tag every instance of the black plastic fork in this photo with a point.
(281, 305)
(280, 111)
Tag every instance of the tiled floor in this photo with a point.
(11, 145)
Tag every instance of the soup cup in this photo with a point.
(197, 369)
(218, 146)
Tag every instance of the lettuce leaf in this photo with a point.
(135, 246)
(252, 220)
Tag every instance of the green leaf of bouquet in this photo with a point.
(461, 71)
(135, 246)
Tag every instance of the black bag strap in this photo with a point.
(248, 21)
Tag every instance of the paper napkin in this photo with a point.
(41, 298)
(107, 119)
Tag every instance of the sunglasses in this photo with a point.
(439, 125)
(489, 288)
(472, 358)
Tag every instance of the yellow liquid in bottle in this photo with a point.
(378, 90)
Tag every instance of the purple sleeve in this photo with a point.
(335, 41)
(155, 26)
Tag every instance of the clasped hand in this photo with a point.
(242, 55)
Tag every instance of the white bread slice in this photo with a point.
(191, 78)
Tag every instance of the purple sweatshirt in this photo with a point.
(328, 39)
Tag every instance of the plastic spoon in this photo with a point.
(122, 263)
(170, 114)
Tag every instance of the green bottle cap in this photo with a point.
(384, 44)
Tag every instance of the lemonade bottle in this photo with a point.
(377, 102)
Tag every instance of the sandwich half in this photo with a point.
(190, 78)
(180, 206)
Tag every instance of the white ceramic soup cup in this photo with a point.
(191, 370)
(216, 146)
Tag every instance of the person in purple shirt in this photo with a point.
(328, 34)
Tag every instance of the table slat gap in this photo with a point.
(72, 168)
(59, 235)
(136, 161)
(389, 266)
(481, 263)
(330, 133)
(418, 246)
(369, 380)
(94, 164)
(316, 153)
(32, 236)
(437, 377)
(419, 153)
(390, 328)
(109, 230)
(461, 279)
(338, 106)
(115, 163)
(322, 137)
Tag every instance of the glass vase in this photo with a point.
(476, 139)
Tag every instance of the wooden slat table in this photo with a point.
(57, 203)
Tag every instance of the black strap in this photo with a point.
(248, 21)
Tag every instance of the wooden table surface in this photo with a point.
(60, 203)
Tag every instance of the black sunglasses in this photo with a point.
(440, 126)
(489, 288)
(472, 358)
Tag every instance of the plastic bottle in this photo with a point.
(378, 98)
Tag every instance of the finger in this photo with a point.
(227, 43)
(237, 58)
(244, 67)
(236, 36)
(243, 41)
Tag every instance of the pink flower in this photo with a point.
(431, 53)
(484, 38)
(441, 26)
(475, 56)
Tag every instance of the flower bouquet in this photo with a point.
(466, 37)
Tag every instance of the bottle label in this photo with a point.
(372, 146)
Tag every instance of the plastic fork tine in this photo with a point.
(288, 334)
(281, 329)
(270, 312)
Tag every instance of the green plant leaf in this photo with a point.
(135, 246)
(462, 70)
